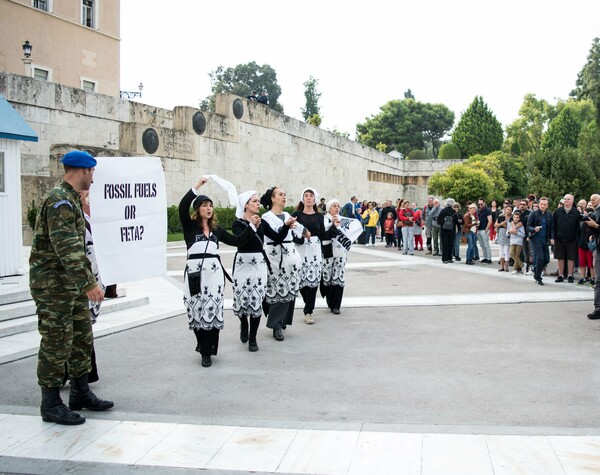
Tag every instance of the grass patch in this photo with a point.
(171, 237)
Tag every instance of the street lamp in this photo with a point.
(27, 47)
(132, 94)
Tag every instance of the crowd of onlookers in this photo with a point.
(525, 231)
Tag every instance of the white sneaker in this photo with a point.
(308, 319)
(514, 272)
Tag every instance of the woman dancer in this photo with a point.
(310, 250)
(250, 266)
(282, 282)
(204, 275)
(334, 262)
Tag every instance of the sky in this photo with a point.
(363, 54)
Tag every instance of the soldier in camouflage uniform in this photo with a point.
(61, 283)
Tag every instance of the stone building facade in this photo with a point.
(244, 142)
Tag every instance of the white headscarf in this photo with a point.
(330, 203)
(243, 199)
(313, 191)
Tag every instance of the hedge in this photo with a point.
(225, 217)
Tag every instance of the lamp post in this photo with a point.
(27, 47)
(132, 94)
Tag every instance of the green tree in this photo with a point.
(589, 147)
(409, 95)
(490, 165)
(461, 182)
(241, 80)
(450, 151)
(478, 131)
(312, 99)
(417, 155)
(406, 125)
(525, 134)
(587, 85)
(563, 131)
(557, 171)
(437, 120)
(514, 171)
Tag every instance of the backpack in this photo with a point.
(448, 223)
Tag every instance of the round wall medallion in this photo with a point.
(238, 109)
(199, 123)
(150, 141)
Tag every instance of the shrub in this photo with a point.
(31, 214)
(417, 155)
(450, 151)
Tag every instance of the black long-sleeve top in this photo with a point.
(315, 223)
(240, 225)
(192, 232)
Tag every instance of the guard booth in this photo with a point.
(13, 130)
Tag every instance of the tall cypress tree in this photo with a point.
(478, 131)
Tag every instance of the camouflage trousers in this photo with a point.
(66, 329)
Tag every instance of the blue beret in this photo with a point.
(79, 159)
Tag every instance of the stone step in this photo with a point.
(13, 296)
(28, 319)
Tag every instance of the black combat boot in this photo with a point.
(243, 328)
(82, 397)
(53, 409)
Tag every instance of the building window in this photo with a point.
(88, 14)
(41, 74)
(88, 86)
(41, 5)
(2, 173)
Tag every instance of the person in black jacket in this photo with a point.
(448, 220)
(565, 227)
(540, 232)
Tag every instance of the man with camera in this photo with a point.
(593, 223)
(564, 232)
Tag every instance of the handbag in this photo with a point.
(448, 223)
(327, 250)
(194, 279)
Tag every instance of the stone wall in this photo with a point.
(244, 142)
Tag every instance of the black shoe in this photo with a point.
(54, 410)
(436, 254)
(539, 282)
(457, 259)
(252, 346)
(244, 329)
(595, 315)
(81, 396)
(206, 361)
(560, 278)
(470, 263)
(277, 334)
(335, 311)
(487, 261)
(476, 258)
(570, 279)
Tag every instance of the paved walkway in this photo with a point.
(137, 441)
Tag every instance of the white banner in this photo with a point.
(128, 206)
(350, 229)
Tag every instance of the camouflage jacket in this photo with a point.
(58, 259)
